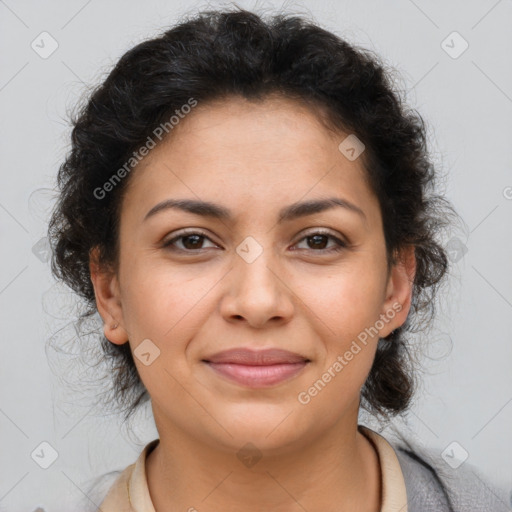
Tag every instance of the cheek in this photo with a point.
(347, 302)
(160, 301)
(347, 308)
(347, 305)
(164, 307)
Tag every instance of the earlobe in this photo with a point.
(108, 301)
(118, 337)
(399, 290)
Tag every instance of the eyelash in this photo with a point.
(340, 245)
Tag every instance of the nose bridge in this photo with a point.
(256, 291)
(252, 264)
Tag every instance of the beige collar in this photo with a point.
(394, 495)
(130, 492)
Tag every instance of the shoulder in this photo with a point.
(433, 485)
(106, 487)
(109, 492)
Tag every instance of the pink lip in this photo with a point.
(257, 369)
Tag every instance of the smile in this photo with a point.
(257, 376)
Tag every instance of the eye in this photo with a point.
(192, 240)
(319, 239)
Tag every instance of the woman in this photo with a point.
(251, 211)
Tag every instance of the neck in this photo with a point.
(340, 466)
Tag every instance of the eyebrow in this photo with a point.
(288, 213)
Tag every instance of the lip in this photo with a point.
(257, 369)
(264, 357)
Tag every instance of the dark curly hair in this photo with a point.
(216, 54)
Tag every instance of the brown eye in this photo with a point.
(190, 242)
(317, 242)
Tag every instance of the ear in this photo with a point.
(108, 300)
(399, 290)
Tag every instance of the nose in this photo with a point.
(257, 292)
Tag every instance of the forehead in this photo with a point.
(275, 129)
(248, 154)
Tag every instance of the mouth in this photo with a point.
(257, 369)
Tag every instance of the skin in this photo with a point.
(253, 158)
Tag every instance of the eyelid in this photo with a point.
(185, 232)
(341, 242)
(321, 231)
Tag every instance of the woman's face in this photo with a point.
(252, 279)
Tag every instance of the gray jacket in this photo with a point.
(433, 486)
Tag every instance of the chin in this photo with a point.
(274, 431)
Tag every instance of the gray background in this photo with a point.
(467, 103)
